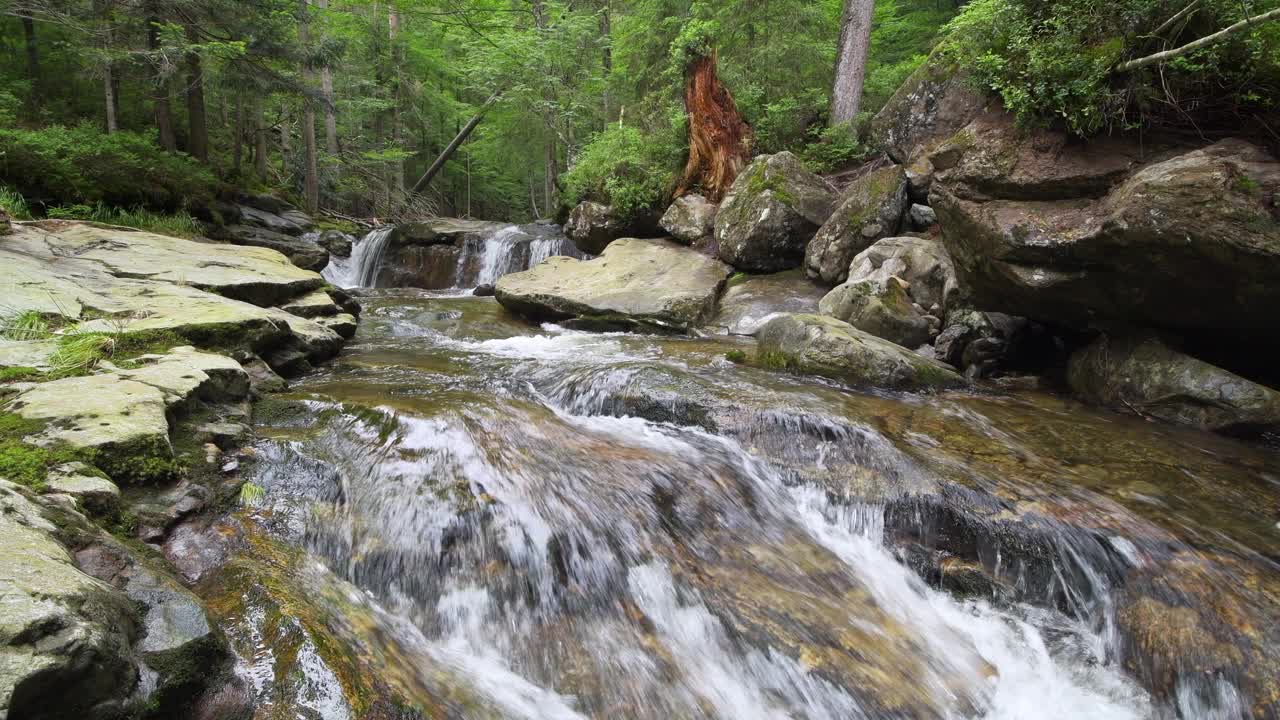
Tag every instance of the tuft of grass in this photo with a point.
(736, 356)
(12, 202)
(251, 494)
(27, 325)
(79, 352)
(179, 224)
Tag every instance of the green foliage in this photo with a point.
(80, 165)
(1054, 62)
(178, 224)
(624, 168)
(832, 149)
(12, 202)
(736, 356)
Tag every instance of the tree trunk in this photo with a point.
(330, 107)
(33, 62)
(397, 165)
(108, 75)
(851, 60)
(311, 180)
(448, 152)
(719, 139)
(606, 60)
(198, 123)
(160, 105)
(285, 144)
(260, 140)
(109, 94)
(237, 136)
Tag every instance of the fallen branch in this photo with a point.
(339, 216)
(1181, 14)
(436, 166)
(1197, 44)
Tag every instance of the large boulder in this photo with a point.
(690, 219)
(922, 262)
(771, 213)
(749, 301)
(648, 283)
(1190, 243)
(1143, 375)
(825, 346)
(592, 226)
(933, 104)
(65, 637)
(881, 307)
(870, 209)
(301, 251)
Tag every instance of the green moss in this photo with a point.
(25, 463)
(762, 180)
(1246, 185)
(774, 360)
(736, 356)
(19, 374)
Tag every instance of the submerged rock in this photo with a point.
(1141, 374)
(690, 219)
(771, 213)
(749, 301)
(634, 283)
(870, 209)
(825, 346)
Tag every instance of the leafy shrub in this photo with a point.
(81, 165)
(624, 168)
(832, 148)
(1055, 60)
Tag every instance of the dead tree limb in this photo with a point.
(453, 146)
(719, 139)
(1159, 57)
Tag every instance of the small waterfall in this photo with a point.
(361, 269)
(544, 247)
(499, 256)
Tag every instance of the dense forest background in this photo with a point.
(107, 106)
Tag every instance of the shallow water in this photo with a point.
(532, 522)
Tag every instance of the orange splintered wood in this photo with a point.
(719, 139)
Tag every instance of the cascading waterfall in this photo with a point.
(559, 524)
(499, 254)
(361, 269)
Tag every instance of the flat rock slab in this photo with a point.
(635, 283)
(26, 353)
(750, 301)
(119, 420)
(827, 347)
(253, 274)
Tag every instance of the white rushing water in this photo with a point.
(617, 565)
(361, 269)
(497, 253)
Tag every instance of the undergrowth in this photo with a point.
(178, 224)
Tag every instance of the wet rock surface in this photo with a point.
(690, 219)
(654, 283)
(1143, 375)
(824, 346)
(771, 213)
(750, 300)
(870, 209)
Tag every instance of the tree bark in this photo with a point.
(397, 165)
(260, 140)
(33, 62)
(851, 60)
(109, 94)
(606, 60)
(311, 180)
(330, 106)
(160, 104)
(719, 139)
(237, 136)
(111, 106)
(197, 122)
(285, 144)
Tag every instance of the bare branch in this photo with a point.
(1180, 14)
(1197, 44)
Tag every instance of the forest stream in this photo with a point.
(497, 519)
